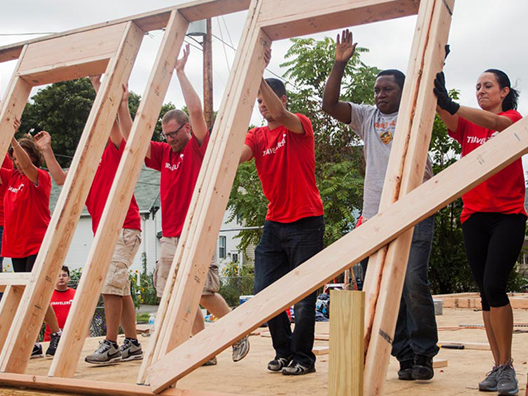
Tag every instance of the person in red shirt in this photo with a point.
(119, 306)
(61, 300)
(493, 217)
(179, 160)
(7, 164)
(293, 232)
(27, 215)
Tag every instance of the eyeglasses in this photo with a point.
(172, 135)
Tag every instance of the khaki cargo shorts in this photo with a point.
(117, 281)
(168, 250)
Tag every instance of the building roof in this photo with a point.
(146, 192)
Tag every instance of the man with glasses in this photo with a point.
(179, 160)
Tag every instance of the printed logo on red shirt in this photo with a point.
(273, 150)
(15, 190)
(173, 167)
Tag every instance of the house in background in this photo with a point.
(147, 197)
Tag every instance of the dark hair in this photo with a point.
(399, 77)
(66, 269)
(277, 86)
(30, 147)
(510, 101)
(179, 116)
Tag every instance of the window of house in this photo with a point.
(222, 247)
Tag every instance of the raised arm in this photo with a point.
(43, 141)
(345, 48)
(449, 111)
(24, 163)
(123, 114)
(115, 132)
(192, 100)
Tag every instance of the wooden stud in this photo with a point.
(8, 307)
(420, 203)
(320, 350)
(88, 387)
(27, 323)
(345, 372)
(122, 190)
(282, 19)
(14, 279)
(439, 363)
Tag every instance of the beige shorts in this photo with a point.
(117, 281)
(168, 250)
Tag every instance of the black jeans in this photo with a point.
(283, 247)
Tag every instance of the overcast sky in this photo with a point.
(484, 34)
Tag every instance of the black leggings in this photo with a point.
(24, 264)
(493, 242)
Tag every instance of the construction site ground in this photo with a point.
(250, 377)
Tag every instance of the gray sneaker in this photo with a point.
(506, 381)
(107, 353)
(240, 349)
(490, 382)
(130, 351)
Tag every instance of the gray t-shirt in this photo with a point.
(376, 129)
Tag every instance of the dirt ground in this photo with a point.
(250, 377)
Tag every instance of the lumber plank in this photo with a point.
(204, 220)
(75, 49)
(16, 353)
(410, 147)
(152, 20)
(8, 307)
(420, 203)
(439, 363)
(123, 187)
(14, 279)
(282, 19)
(163, 327)
(320, 350)
(345, 372)
(88, 387)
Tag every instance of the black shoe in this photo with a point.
(37, 351)
(298, 369)
(406, 370)
(278, 364)
(54, 343)
(423, 368)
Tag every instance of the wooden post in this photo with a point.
(115, 211)
(8, 307)
(36, 298)
(347, 314)
(208, 75)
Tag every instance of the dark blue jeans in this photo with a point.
(416, 332)
(283, 247)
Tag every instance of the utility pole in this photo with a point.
(208, 75)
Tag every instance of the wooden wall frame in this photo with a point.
(171, 355)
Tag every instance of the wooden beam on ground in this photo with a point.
(320, 350)
(122, 190)
(419, 204)
(153, 20)
(282, 19)
(8, 307)
(87, 387)
(345, 372)
(28, 321)
(404, 173)
(439, 363)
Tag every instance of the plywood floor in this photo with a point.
(250, 377)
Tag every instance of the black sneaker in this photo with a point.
(54, 343)
(423, 368)
(406, 370)
(298, 369)
(37, 351)
(278, 364)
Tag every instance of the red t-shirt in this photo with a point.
(102, 183)
(27, 213)
(61, 301)
(7, 165)
(501, 193)
(179, 172)
(286, 167)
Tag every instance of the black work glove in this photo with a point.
(444, 101)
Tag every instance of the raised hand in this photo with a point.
(126, 94)
(444, 101)
(96, 82)
(16, 124)
(180, 63)
(345, 46)
(43, 140)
